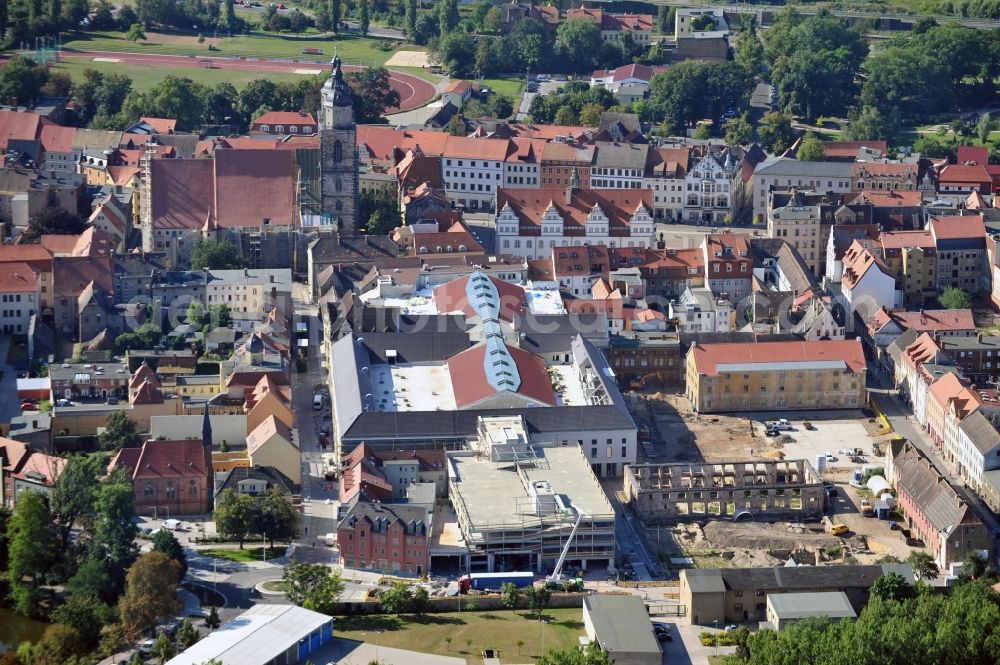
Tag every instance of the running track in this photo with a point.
(413, 92)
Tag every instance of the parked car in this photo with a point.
(857, 484)
(808, 425)
(63, 402)
(29, 406)
(112, 400)
(732, 627)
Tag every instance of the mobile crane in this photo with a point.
(557, 579)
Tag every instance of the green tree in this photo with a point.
(163, 648)
(502, 107)
(333, 11)
(511, 595)
(112, 538)
(538, 599)
(85, 614)
(120, 431)
(665, 20)
(456, 52)
(749, 53)
(566, 116)
(952, 298)
(891, 586)
(195, 314)
(871, 124)
(703, 132)
(278, 519)
(59, 645)
(220, 316)
(135, 33)
(739, 131)
(216, 255)
(51, 220)
(91, 579)
(32, 551)
(448, 16)
(220, 103)
(21, 79)
(976, 567)
(364, 20)
(578, 42)
(810, 150)
(150, 592)
(590, 654)
(372, 94)
(691, 91)
(165, 541)
(396, 599)
(213, 620)
(775, 132)
(411, 19)
(313, 586)
(420, 601)
(590, 114)
(145, 336)
(230, 20)
(187, 634)
(235, 514)
(491, 22)
(72, 498)
(924, 566)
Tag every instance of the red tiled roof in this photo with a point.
(453, 297)
(906, 239)
(56, 138)
(163, 459)
(857, 262)
(143, 373)
(46, 466)
(470, 384)
(893, 199)
(183, 192)
(381, 141)
(161, 125)
(580, 261)
(633, 71)
(15, 125)
(462, 147)
(285, 118)
(17, 277)
(949, 388)
(936, 320)
(973, 154)
(265, 431)
(251, 185)
(72, 274)
(122, 175)
(957, 227)
(924, 349)
(709, 356)
(617, 204)
(459, 87)
(849, 149)
(148, 393)
(964, 174)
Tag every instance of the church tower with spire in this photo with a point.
(338, 153)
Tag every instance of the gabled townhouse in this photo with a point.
(272, 444)
(20, 297)
(911, 257)
(666, 273)
(618, 165)
(169, 478)
(977, 356)
(841, 237)
(576, 269)
(530, 223)
(882, 176)
(801, 226)
(699, 311)
(666, 170)
(628, 83)
(474, 171)
(886, 326)
(284, 123)
(616, 26)
(728, 265)
(892, 210)
(866, 285)
(783, 173)
(386, 537)
(978, 448)
(924, 350)
(961, 253)
(710, 188)
(546, 16)
(561, 159)
(936, 512)
(947, 390)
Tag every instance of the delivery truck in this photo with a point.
(493, 581)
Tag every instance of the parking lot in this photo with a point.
(827, 436)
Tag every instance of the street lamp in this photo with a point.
(715, 622)
(543, 636)
(263, 545)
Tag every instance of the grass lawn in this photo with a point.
(274, 585)
(513, 88)
(244, 555)
(487, 630)
(353, 49)
(145, 77)
(420, 73)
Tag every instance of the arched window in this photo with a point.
(338, 185)
(193, 489)
(171, 490)
(148, 490)
(339, 206)
(338, 151)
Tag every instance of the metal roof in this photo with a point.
(833, 604)
(257, 636)
(621, 624)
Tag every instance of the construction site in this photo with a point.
(518, 505)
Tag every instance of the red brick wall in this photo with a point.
(393, 550)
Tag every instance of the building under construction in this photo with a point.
(517, 503)
(752, 489)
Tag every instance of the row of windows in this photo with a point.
(474, 175)
(149, 489)
(16, 297)
(564, 243)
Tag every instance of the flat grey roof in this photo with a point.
(621, 623)
(833, 604)
(491, 492)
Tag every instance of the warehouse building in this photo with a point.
(784, 609)
(263, 635)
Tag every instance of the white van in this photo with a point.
(317, 401)
(172, 525)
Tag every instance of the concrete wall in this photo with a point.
(230, 428)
